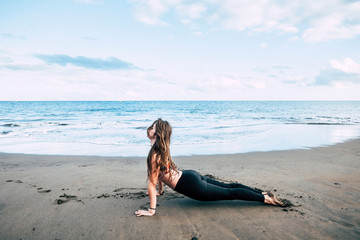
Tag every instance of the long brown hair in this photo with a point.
(161, 148)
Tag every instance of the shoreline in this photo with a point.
(93, 197)
(185, 155)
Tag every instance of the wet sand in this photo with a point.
(86, 197)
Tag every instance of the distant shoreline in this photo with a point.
(176, 156)
(199, 127)
(179, 100)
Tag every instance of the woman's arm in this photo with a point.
(152, 195)
(153, 179)
(160, 188)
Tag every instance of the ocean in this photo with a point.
(199, 127)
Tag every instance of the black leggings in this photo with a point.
(201, 188)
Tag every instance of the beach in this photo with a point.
(91, 197)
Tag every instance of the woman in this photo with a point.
(161, 169)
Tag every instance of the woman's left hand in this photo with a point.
(147, 213)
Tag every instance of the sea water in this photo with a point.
(199, 127)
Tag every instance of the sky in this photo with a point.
(179, 50)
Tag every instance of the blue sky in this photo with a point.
(179, 50)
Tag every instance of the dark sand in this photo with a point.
(85, 197)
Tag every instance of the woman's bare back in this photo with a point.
(170, 179)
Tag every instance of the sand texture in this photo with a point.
(86, 197)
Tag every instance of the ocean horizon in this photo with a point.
(118, 128)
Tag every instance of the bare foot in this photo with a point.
(270, 194)
(272, 200)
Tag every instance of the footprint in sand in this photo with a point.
(65, 198)
(139, 193)
(104, 195)
(129, 193)
(14, 181)
(44, 191)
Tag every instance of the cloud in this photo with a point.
(314, 21)
(44, 77)
(11, 36)
(282, 67)
(15, 60)
(150, 12)
(339, 73)
(299, 81)
(232, 82)
(191, 11)
(110, 63)
(25, 67)
(198, 34)
(73, 83)
(336, 21)
(89, 38)
(90, 1)
(256, 16)
(260, 69)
